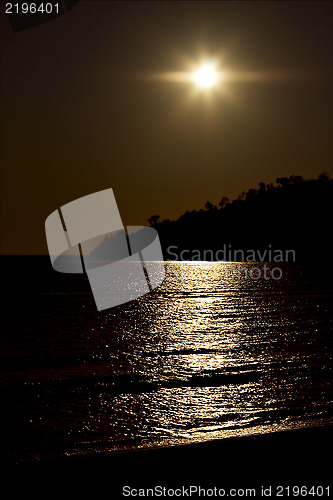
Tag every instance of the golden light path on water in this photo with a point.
(209, 354)
(194, 321)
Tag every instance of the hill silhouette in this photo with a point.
(293, 216)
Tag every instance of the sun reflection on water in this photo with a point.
(208, 354)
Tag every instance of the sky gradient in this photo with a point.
(81, 112)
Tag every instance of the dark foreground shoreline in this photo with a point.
(292, 457)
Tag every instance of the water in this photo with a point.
(209, 354)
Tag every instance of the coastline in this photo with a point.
(290, 457)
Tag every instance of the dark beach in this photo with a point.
(287, 458)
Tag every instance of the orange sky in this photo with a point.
(78, 114)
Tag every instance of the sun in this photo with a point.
(206, 76)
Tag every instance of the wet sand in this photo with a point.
(296, 457)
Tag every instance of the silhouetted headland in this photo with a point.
(286, 221)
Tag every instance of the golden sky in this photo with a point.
(85, 107)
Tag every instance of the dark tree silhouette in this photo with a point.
(209, 206)
(224, 201)
(154, 220)
(293, 214)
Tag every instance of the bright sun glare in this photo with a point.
(206, 76)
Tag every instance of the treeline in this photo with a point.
(292, 213)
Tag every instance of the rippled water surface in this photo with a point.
(216, 350)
